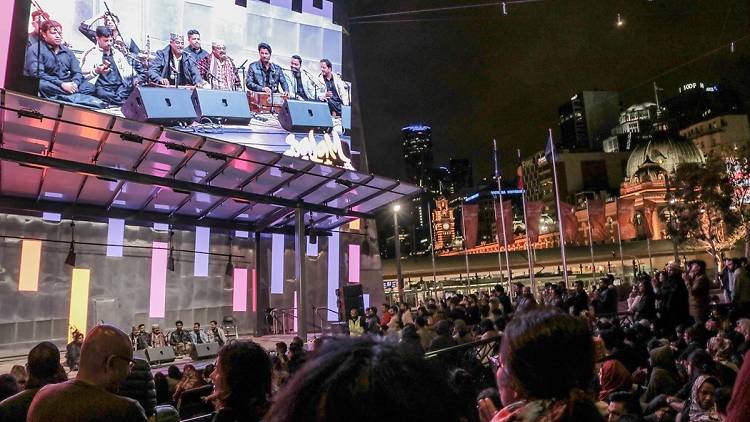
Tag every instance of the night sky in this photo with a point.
(476, 74)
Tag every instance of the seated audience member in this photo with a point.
(171, 65)
(58, 69)
(613, 377)
(297, 356)
(162, 389)
(106, 356)
(174, 376)
(366, 379)
(43, 365)
(19, 372)
(8, 386)
(621, 404)
(191, 378)
(140, 386)
(112, 74)
(73, 351)
(242, 382)
(701, 406)
(206, 372)
(535, 385)
(664, 378)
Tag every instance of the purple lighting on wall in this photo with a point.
(277, 264)
(354, 263)
(333, 273)
(158, 296)
(202, 245)
(239, 295)
(115, 236)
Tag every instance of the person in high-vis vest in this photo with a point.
(356, 323)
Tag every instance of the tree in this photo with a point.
(703, 209)
(738, 168)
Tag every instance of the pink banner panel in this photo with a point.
(255, 292)
(6, 19)
(295, 312)
(158, 296)
(239, 295)
(354, 263)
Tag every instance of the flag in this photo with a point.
(550, 153)
(508, 216)
(533, 216)
(569, 222)
(597, 220)
(649, 207)
(625, 215)
(470, 223)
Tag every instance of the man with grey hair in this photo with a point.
(218, 69)
(174, 66)
(106, 360)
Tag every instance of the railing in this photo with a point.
(281, 319)
(476, 357)
(322, 318)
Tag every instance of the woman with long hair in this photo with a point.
(190, 379)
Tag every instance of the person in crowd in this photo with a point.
(43, 364)
(218, 70)
(579, 301)
(173, 66)
(701, 407)
(242, 382)
(698, 288)
(162, 389)
(461, 332)
(355, 323)
(301, 85)
(723, 278)
(443, 337)
(113, 75)
(265, 76)
(106, 357)
(606, 297)
(19, 372)
(359, 374)
(386, 316)
(622, 404)
(404, 312)
(73, 351)
(8, 386)
(613, 377)
(426, 333)
(741, 291)
(410, 340)
(58, 69)
(193, 47)
(140, 386)
(174, 376)
(664, 378)
(394, 324)
(216, 334)
(534, 386)
(673, 295)
(646, 306)
(191, 378)
(526, 302)
(180, 339)
(156, 337)
(720, 349)
(206, 372)
(738, 409)
(336, 91)
(297, 355)
(372, 322)
(505, 303)
(198, 336)
(488, 329)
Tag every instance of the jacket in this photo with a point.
(312, 88)
(341, 86)
(741, 293)
(53, 68)
(160, 68)
(201, 333)
(256, 78)
(176, 337)
(92, 58)
(699, 296)
(139, 386)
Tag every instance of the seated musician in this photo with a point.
(57, 68)
(218, 69)
(171, 65)
(37, 17)
(336, 91)
(109, 70)
(157, 338)
(88, 29)
(265, 76)
(301, 85)
(180, 339)
(194, 46)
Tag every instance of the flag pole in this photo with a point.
(591, 243)
(526, 224)
(619, 236)
(498, 178)
(466, 246)
(432, 242)
(559, 215)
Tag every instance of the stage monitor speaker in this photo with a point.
(346, 116)
(158, 355)
(140, 354)
(164, 106)
(303, 116)
(201, 351)
(228, 107)
(352, 294)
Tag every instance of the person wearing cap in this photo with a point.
(173, 66)
(218, 69)
(157, 338)
(37, 17)
(265, 76)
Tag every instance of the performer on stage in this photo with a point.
(265, 76)
(88, 29)
(112, 74)
(218, 69)
(174, 66)
(216, 334)
(336, 91)
(197, 336)
(194, 46)
(57, 69)
(180, 339)
(37, 17)
(301, 86)
(157, 338)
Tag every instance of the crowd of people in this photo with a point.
(674, 354)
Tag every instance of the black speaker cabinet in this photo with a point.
(229, 107)
(164, 106)
(201, 351)
(140, 354)
(352, 295)
(157, 355)
(303, 116)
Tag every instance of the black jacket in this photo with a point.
(139, 385)
(159, 68)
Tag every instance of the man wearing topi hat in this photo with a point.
(173, 66)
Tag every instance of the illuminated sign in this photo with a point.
(328, 151)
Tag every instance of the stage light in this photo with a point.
(620, 21)
(396, 208)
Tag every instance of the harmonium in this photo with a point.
(261, 102)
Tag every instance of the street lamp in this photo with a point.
(397, 247)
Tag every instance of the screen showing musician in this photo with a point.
(218, 70)
(301, 85)
(174, 66)
(265, 76)
(194, 46)
(336, 90)
(112, 74)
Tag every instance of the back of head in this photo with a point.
(43, 364)
(245, 368)
(367, 380)
(443, 328)
(534, 372)
(8, 386)
(105, 354)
